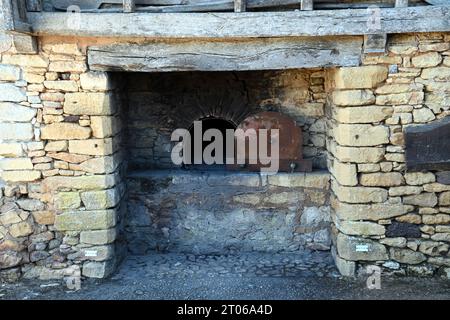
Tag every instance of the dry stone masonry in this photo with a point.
(66, 133)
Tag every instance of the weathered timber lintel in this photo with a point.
(202, 55)
(244, 24)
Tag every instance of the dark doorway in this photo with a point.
(210, 123)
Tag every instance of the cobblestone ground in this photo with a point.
(309, 275)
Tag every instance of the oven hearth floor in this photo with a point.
(176, 265)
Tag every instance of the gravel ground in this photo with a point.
(244, 276)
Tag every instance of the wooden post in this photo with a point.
(306, 5)
(34, 5)
(401, 3)
(129, 6)
(240, 6)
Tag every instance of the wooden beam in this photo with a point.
(240, 6)
(244, 25)
(306, 5)
(401, 3)
(129, 6)
(203, 55)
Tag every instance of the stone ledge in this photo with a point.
(320, 180)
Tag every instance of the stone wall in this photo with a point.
(62, 189)
(384, 214)
(162, 102)
(61, 185)
(220, 213)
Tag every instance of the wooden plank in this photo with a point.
(240, 6)
(129, 6)
(428, 146)
(257, 54)
(218, 5)
(401, 3)
(244, 25)
(306, 5)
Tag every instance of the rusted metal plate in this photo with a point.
(290, 141)
(428, 146)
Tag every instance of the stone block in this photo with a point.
(425, 199)
(67, 66)
(404, 191)
(13, 112)
(359, 194)
(345, 268)
(64, 131)
(90, 103)
(345, 173)
(67, 200)
(398, 242)
(303, 180)
(56, 146)
(16, 164)
(44, 217)
(444, 198)
(85, 220)
(398, 88)
(100, 165)
(98, 237)
(361, 135)
(379, 179)
(68, 157)
(400, 98)
(358, 155)
(410, 218)
(9, 72)
(97, 253)
(407, 256)
(26, 60)
(373, 212)
(437, 73)
(355, 249)
(98, 182)
(419, 178)
(432, 248)
(21, 229)
(30, 204)
(360, 228)
(426, 60)
(423, 115)
(93, 147)
(436, 187)
(103, 199)
(10, 93)
(62, 85)
(98, 270)
(367, 114)
(436, 219)
(105, 126)
(96, 81)
(20, 176)
(9, 259)
(11, 150)
(350, 98)
(360, 77)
